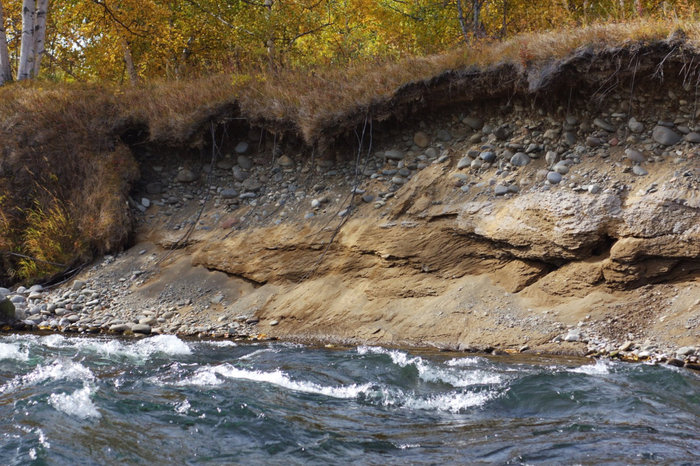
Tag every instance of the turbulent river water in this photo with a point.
(162, 400)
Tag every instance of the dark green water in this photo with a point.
(161, 400)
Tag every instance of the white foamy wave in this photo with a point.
(432, 373)
(60, 369)
(219, 343)
(464, 362)
(13, 351)
(183, 408)
(599, 368)
(449, 402)
(53, 341)
(257, 352)
(143, 349)
(209, 376)
(77, 404)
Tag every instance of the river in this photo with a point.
(163, 400)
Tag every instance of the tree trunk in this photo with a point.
(26, 55)
(5, 70)
(129, 61)
(462, 24)
(42, 9)
(476, 8)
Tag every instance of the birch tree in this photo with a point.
(26, 54)
(5, 70)
(42, 8)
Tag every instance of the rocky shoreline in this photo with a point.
(503, 228)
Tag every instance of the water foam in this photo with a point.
(60, 369)
(431, 373)
(600, 367)
(209, 376)
(169, 345)
(13, 351)
(77, 404)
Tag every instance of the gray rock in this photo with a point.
(604, 124)
(594, 188)
(561, 167)
(36, 289)
(573, 335)
(239, 174)
(664, 135)
(635, 126)
(285, 162)
(500, 190)
(551, 157)
(4, 292)
(252, 185)
(229, 193)
(502, 133)
(119, 328)
(141, 328)
(404, 171)
(476, 164)
(421, 139)
(398, 180)
(474, 123)
(487, 156)
(520, 159)
(634, 155)
(570, 138)
(685, 351)
(592, 141)
(246, 163)
(242, 148)
(367, 198)
(185, 176)
(146, 202)
(394, 154)
(274, 322)
(554, 177)
(639, 170)
(444, 135)
(692, 137)
(464, 162)
(7, 311)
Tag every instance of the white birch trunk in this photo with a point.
(42, 8)
(26, 54)
(5, 70)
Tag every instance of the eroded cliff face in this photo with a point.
(460, 237)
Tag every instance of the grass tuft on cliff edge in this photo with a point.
(65, 170)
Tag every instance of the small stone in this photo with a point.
(665, 136)
(78, 284)
(239, 174)
(476, 164)
(561, 167)
(119, 328)
(639, 170)
(398, 180)
(229, 193)
(252, 185)
(487, 156)
(185, 176)
(604, 124)
(146, 202)
(592, 141)
(551, 157)
(626, 346)
(570, 138)
(444, 135)
(141, 328)
(692, 137)
(474, 123)
(634, 155)
(421, 139)
(594, 188)
(502, 133)
(464, 162)
(367, 198)
(500, 190)
(394, 154)
(274, 323)
(520, 159)
(242, 148)
(285, 162)
(685, 351)
(573, 335)
(315, 204)
(246, 163)
(635, 126)
(554, 177)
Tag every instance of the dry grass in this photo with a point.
(61, 149)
